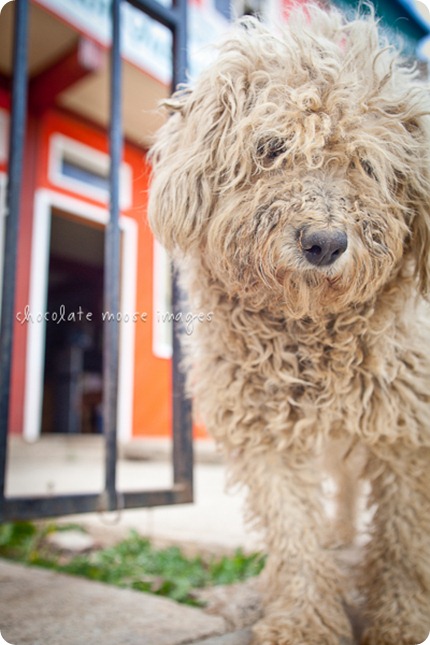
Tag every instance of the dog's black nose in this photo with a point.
(322, 248)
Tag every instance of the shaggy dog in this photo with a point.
(291, 185)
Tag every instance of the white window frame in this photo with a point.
(162, 330)
(4, 135)
(44, 203)
(87, 158)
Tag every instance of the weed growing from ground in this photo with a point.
(133, 563)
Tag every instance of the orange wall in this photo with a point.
(151, 408)
(152, 375)
(23, 266)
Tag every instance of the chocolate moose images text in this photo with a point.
(62, 315)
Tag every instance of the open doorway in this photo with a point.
(72, 387)
(50, 205)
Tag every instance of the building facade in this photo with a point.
(57, 352)
(60, 315)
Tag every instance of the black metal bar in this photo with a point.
(175, 19)
(22, 508)
(180, 39)
(13, 199)
(17, 508)
(182, 424)
(112, 266)
(176, 495)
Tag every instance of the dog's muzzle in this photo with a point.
(322, 248)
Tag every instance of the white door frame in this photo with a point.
(44, 202)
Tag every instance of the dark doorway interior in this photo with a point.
(73, 353)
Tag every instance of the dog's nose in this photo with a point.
(322, 248)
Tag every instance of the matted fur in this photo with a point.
(322, 127)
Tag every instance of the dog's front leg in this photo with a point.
(302, 586)
(396, 571)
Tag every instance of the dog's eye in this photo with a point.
(276, 148)
(270, 149)
(368, 168)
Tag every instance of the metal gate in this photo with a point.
(175, 19)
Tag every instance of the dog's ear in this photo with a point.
(420, 244)
(174, 206)
(187, 161)
(419, 202)
(197, 152)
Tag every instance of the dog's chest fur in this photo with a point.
(263, 377)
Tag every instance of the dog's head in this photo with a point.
(298, 167)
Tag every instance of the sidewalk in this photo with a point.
(39, 607)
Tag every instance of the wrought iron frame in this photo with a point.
(175, 19)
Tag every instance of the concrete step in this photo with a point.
(41, 607)
(240, 637)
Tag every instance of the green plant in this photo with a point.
(17, 540)
(132, 563)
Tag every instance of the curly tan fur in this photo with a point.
(321, 129)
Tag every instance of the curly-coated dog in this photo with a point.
(291, 185)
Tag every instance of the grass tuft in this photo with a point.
(133, 563)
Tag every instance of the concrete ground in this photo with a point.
(47, 608)
(39, 607)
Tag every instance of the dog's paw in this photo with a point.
(390, 635)
(288, 632)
